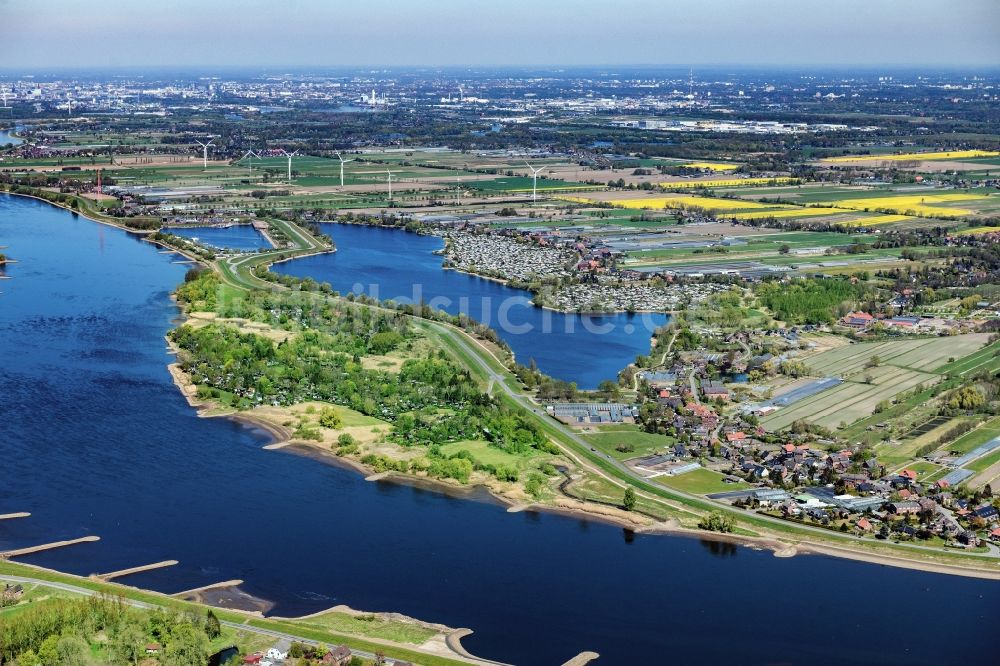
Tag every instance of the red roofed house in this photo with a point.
(339, 656)
(735, 436)
(865, 524)
(859, 321)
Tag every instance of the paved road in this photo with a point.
(694, 387)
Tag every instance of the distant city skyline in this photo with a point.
(311, 33)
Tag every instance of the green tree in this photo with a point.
(48, 653)
(187, 646)
(127, 644)
(72, 650)
(29, 658)
(213, 629)
(628, 502)
(716, 522)
(329, 418)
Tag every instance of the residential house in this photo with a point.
(338, 656)
(987, 512)
(904, 508)
(859, 321)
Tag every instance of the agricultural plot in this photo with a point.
(523, 184)
(937, 155)
(902, 365)
(975, 438)
(849, 401)
(712, 166)
(924, 354)
(897, 453)
(973, 231)
(987, 358)
(925, 204)
(676, 201)
(731, 182)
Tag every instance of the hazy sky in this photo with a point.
(330, 33)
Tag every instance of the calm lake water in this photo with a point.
(240, 237)
(399, 265)
(95, 439)
(6, 137)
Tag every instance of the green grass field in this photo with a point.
(700, 482)
(485, 454)
(974, 438)
(523, 184)
(371, 626)
(641, 443)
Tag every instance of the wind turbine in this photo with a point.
(204, 148)
(459, 179)
(342, 163)
(534, 180)
(390, 184)
(289, 156)
(251, 155)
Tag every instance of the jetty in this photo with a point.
(134, 570)
(19, 552)
(204, 588)
(8, 516)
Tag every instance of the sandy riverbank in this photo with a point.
(569, 506)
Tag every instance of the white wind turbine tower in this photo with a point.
(459, 179)
(251, 155)
(289, 156)
(534, 181)
(390, 184)
(204, 151)
(342, 163)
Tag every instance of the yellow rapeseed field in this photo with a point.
(979, 230)
(874, 220)
(733, 182)
(790, 212)
(714, 166)
(940, 155)
(658, 203)
(918, 204)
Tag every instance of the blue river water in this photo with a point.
(240, 237)
(96, 440)
(399, 265)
